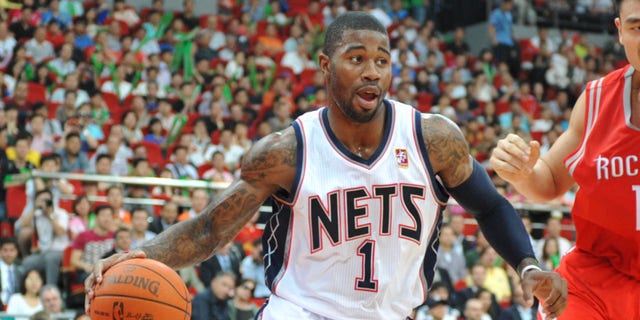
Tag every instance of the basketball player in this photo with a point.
(359, 204)
(600, 151)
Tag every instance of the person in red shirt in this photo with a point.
(598, 152)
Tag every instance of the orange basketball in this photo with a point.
(141, 289)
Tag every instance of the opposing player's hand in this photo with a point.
(513, 158)
(100, 267)
(549, 288)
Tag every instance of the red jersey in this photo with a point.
(606, 167)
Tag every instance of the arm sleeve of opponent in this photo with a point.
(497, 219)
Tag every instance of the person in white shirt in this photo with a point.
(7, 43)
(70, 83)
(122, 88)
(139, 225)
(63, 64)
(50, 224)
(298, 60)
(232, 152)
(39, 48)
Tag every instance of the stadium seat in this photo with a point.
(154, 154)
(203, 168)
(17, 200)
(37, 92)
(72, 290)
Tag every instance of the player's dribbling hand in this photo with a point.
(549, 288)
(100, 267)
(513, 158)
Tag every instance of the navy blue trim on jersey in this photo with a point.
(438, 188)
(275, 241)
(388, 124)
(261, 310)
(431, 255)
(289, 196)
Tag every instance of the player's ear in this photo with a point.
(323, 62)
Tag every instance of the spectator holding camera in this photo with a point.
(45, 226)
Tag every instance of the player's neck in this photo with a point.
(361, 139)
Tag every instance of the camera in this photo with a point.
(48, 203)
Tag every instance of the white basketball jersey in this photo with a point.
(356, 238)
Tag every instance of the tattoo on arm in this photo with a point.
(270, 165)
(447, 148)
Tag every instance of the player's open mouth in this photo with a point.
(368, 96)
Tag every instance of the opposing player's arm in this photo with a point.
(267, 167)
(549, 170)
(472, 188)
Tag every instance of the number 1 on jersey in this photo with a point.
(367, 281)
(636, 188)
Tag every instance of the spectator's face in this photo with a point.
(142, 169)
(73, 145)
(554, 227)
(104, 219)
(123, 240)
(33, 282)
(8, 253)
(103, 167)
(51, 301)
(70, 100)
(223, 287)
(245, 290)
(71, 82)
(473, 310)
(169, 213)
(22, 148)
(218, 161)
(139, 221)
(21, 90)
(446, 236)
(478, 275)
(50, 165)
(40, 34)
(114, 197)
(199, 200)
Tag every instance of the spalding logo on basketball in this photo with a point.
(141, 289)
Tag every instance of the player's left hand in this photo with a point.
(549, 288)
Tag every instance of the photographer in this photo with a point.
(45, 226)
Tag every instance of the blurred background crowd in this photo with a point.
(118, 89)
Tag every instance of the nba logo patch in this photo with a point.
(401, 158)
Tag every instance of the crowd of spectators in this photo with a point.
(110, 90)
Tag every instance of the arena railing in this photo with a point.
(214, 186)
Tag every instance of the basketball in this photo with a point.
(141, 289)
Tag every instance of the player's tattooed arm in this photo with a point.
(447, 148)
(268, 166)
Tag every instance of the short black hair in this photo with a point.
(352, 20)
(102, 207)
(616, 6)
(71, 135)
(136, 161)
(102, 156)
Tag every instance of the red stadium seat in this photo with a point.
(37, 92)
(154, 154)
(17, 200)
(203, 168)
